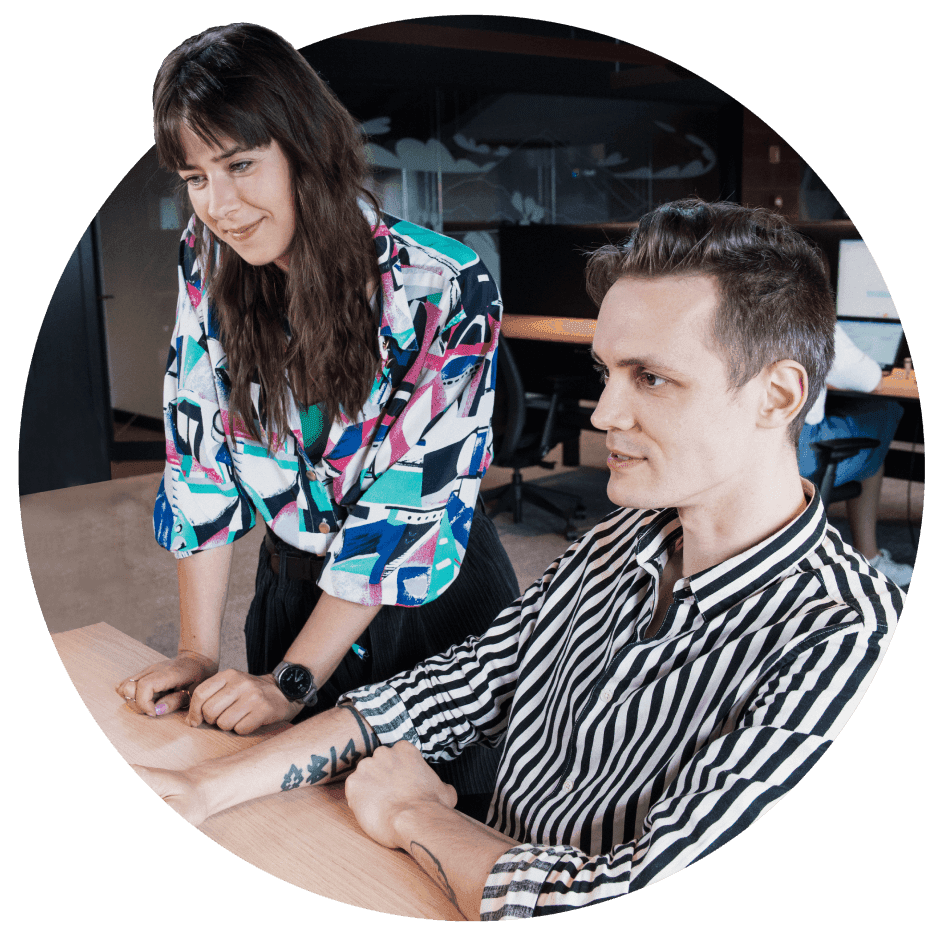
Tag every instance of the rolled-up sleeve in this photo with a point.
(200, 503)
(461, 697)
(411, 506)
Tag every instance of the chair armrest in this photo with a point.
(836, 450)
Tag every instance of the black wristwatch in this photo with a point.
(295, 682)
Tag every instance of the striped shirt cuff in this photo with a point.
(385, 713)
(515, 882)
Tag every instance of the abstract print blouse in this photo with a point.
(389, 494)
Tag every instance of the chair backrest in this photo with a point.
(509, 403)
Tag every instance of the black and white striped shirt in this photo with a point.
(626, 757)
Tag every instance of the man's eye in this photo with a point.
(602, 372)
(652, 380)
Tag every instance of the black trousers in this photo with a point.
(397, 639)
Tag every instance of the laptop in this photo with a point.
(880, 339)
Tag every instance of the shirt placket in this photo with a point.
(602, 693)
(679, 615)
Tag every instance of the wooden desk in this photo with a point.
(899, 383)
(307, 837)
(549, 328)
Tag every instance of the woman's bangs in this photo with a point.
(220, 129)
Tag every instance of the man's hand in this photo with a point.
(166, 686)
(239, 702)
(399, 802)
(385, 786)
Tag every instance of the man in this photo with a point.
(685, 662)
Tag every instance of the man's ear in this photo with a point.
(786, 386)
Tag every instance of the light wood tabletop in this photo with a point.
(549, 328)
(308, 837)
(898, 383)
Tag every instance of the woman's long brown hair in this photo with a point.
(246, 84)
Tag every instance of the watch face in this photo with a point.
(295, 681)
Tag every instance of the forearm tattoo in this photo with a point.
(433, 867)
(324, 769)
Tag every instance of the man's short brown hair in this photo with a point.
(775, 301)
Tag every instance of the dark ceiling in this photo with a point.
(372, 75)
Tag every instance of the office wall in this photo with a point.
(140, 226)
(65, 426)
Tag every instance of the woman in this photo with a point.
(332, 370)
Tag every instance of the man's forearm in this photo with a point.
(454, 850)
(318, 750)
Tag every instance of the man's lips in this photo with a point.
(621, 459)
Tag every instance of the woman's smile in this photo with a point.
(244, 195)
(242, 233)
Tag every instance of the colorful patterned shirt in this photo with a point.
(389, 494)
(627, 756)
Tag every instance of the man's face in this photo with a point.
(678, 436)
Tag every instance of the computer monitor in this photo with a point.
(880, 340)
(862, 292)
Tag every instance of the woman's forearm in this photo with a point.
(203, 587)
(327, 636)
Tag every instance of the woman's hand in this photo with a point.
(239, 702)
(167, 685)
(179, 790)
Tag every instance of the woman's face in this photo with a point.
(244, 196)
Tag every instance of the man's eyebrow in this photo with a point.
(649, 363)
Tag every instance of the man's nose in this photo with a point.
(614, 409)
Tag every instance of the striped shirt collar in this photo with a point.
(722, 586)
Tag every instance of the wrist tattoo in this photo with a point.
(315, 768)
(368, 734)
(433, 867)
(292, 779)
(323, 769)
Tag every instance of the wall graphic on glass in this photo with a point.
(526, 158)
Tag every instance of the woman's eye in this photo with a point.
(241, 166)
(193, 181)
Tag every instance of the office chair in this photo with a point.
(828, 454)
(527, 426)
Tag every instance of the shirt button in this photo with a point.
(567, 786)
(605, 695)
